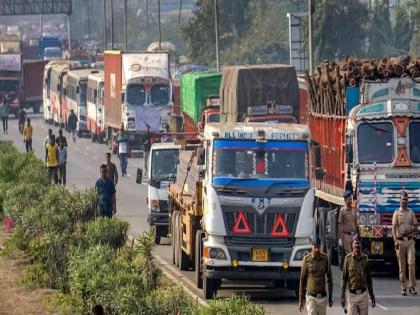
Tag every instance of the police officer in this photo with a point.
(404, 229)
(356, 276)
(315, 267)
(347, 223)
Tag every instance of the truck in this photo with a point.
(45, 43)
(138, 92)
(373, 151)
(162, 166)
(32, 85)
(196, 89)
(10, 80)
(95, 97)
(241, 206)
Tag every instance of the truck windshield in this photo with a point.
(414, 130)
(82, 94)
(375, 142)
(160, 94)
(163, 164)
(250, 159)
(52, 53)
(136, 94)
(9, 86)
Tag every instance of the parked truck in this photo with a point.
(366, 126)
(33, 73)
(49, 48)
(138, 92)
(10, 80)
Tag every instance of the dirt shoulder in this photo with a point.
(15, 299)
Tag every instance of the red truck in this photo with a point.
(32, 83)
(10, 80)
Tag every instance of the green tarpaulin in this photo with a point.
(195, 88)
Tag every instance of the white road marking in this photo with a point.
(382, 307)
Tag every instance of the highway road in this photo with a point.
(83, 169)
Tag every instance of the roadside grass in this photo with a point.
(85, 258)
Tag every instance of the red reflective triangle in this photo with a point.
(279, 227)
(241, 225)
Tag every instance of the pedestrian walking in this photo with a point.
(62, 163)
(106, 194)
(147, 144)
(21, 119)
(72, 124)
(112, 171)
(347, 225)
(27, 135)
(356, 277)
(61, 138)
(404, 229)
(48, 137)
(315, 267)
(51, 159)
(4, 113)
(122, 141)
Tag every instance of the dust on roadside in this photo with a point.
(15, 299)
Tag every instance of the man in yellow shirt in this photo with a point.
(27, 135)
(51, 159)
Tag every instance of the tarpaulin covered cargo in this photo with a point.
(244, 86)
(195, 88)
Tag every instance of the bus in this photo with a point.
(47, 110)
(57, 97)
(95, 98)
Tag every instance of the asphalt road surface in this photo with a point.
(84, 159)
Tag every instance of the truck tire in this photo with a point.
(173, 235)
(158, 234)
(210, 287)
(36, 107)
(184, 260)
(197, 259)
(293, 285)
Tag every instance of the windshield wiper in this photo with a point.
(277, 183)
(373, 127)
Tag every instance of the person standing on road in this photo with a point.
(72, 124)
(347, 225)
(61, 138)
(4, 113)
(112, 171)
(27, 135)
(51, 159)
(122, 141)
(48, 137)
(106, 194)
(404, 230)
(62, 163)
(147, 146)
(21, 119)
(356, 276)
(315, 267)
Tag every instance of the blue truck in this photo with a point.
(49, 48)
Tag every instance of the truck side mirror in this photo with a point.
(319, 170)
(58, 87)
(349, 153)
(77, 90)
(201, 156)
(139, 176)
(122, 97)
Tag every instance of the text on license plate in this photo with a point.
(259, 254)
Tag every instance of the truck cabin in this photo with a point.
(163, 162)
(9, 91)
(53, 53)
(148, 91)
(271, 113)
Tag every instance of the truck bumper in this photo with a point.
(252, 273)
(383, 249)
(158, 219)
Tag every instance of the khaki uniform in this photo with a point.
(347, 227)
(356, 276)
(404, 228)
(312, 283)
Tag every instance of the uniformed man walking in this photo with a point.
(315, 268)
(356, 276)
(404, 229)
(347, 224)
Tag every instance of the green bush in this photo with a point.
(170, 300)
(145, 248)
(235, 305)
(68, 304)
(107, 231)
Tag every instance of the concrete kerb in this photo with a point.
(174, 275)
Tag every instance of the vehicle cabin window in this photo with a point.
(414, 134)
(375, 142)
(160, 94)
(136, 94)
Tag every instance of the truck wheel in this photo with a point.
(35, 108)
(93, 137)
(198, 259)
(183, 260)
(158, 234)
(293, 285)
(80, 134)
(210, 287)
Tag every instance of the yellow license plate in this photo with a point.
(259, 254)
(376, 247)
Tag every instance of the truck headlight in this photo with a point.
(154, 205)
(131, 124)
(301, 253)
(214, 253)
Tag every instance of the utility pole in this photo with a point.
(216, 31)
(310, 47)
(125, 26)
(105, 32)
(40, 25)
(159, 30)
(147, 16)
(112, 24)
(69, 33)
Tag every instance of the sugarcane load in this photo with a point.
(364, 121)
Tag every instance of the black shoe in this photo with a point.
(412, 291)
(404, 290)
